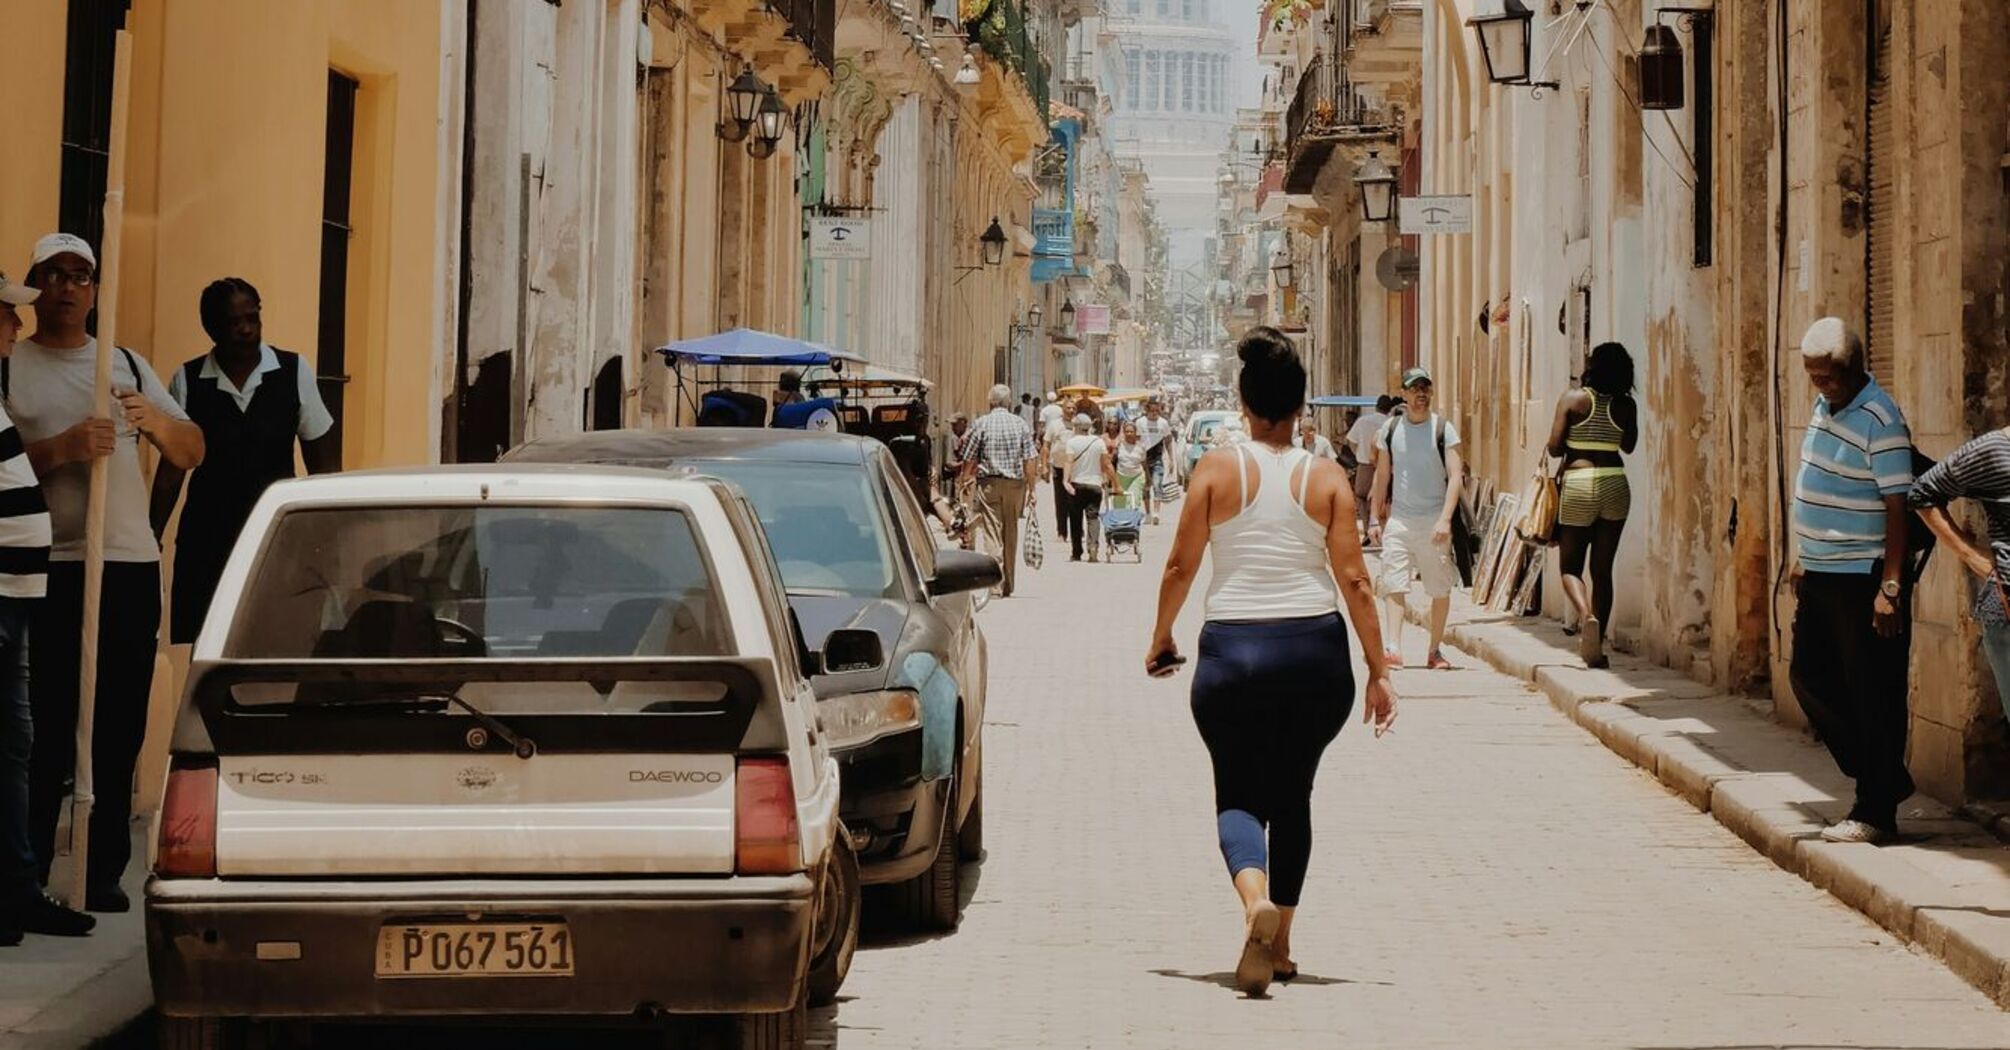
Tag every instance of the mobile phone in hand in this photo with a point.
(1165, 663)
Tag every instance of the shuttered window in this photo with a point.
(1882, 247)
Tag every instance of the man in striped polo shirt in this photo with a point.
(1852, 623)
(24, 579)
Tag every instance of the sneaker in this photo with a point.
(1256, 969)
(1155, 519)
(1392, 658)
(108, 898)
(1855, 831)
(1437, 662)
(40, 913)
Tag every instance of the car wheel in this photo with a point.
(970, 838)
(201, 1033)
(933, 900)
(788, 1030)
(833, 960)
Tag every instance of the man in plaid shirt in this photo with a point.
(1000, 454)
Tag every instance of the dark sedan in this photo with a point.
(902, 661)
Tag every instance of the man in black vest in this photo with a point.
(252, 402)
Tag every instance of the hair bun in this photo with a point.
(1264, 345)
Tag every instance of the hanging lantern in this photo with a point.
(993, 241)
(1661, 70)
(1504, 42)
(1378, 188)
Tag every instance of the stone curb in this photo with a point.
(1766, 808)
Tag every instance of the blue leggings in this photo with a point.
(1268, 696)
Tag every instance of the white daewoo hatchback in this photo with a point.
(388, 801)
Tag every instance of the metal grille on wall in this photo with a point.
(1881, 247)
(90, 43)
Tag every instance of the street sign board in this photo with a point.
(840, 237)
(1092, 320)
(1421, 215)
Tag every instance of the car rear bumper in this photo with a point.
(642, 946)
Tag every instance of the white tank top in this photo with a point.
(1270, 559)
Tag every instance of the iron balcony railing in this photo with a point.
(1326, 100)
(814, 22)
(1054, 233)
(1001, 33)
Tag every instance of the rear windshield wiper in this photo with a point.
(523, 745)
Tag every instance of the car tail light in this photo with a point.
(765, 839)
(188, 823)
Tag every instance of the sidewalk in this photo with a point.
(62, 993)
(1945, 888)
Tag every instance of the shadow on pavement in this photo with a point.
(1226, 979)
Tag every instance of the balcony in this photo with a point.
(1003, 36)
(1383, 41)
(791, 44)
(814, 23)
(1054, 234)
(1327, 111)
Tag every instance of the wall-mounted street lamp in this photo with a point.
(967, 74)
(1068, 314)
(1504, 44)
(1281, 268)
(991, 245)
(770, 121)
(743, 99)
(1378, 188)
(1035, 315)
(1662, 62)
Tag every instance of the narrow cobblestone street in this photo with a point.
(1488, 875)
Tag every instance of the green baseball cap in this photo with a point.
(1414, 376)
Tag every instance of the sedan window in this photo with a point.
(829, 533)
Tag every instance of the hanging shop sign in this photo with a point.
(1092, 320)
(840, 237)
(1422, 215)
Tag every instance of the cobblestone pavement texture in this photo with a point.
(1489, 875)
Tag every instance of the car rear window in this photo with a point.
(480, 581)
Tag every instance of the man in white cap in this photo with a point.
(24, 576)
(49, 391)
(1853, 595)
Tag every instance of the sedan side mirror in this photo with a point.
(846, 651)
(958, 570)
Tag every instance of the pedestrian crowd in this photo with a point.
(226, 423)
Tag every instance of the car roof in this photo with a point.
(659, 447)
(460, 483)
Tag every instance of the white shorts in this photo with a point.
(1408, 553)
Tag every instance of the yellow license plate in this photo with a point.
(478, 949)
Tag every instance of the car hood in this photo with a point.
(819, 615)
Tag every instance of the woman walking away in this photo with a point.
(1978, 470)
(1086, 458)
(1130, 459)
(1274, 683)
(1594, 424)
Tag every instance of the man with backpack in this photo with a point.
(1418, 472)
(1856, 567)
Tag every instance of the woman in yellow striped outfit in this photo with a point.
(1594, 425)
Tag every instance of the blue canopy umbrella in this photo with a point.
(746, 346)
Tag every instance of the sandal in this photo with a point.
(1255, 971)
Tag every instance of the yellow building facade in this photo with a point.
(228, 158)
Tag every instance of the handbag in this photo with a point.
(1032, 547)
(1538, 523)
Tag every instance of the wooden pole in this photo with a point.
(94, 511)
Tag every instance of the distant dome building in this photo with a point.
(1175, 109)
